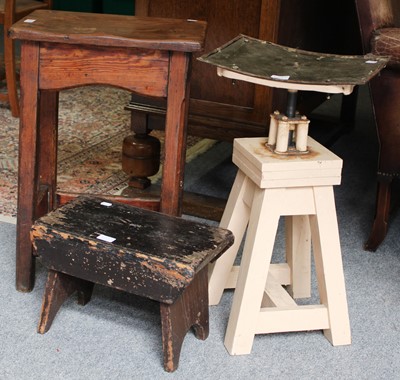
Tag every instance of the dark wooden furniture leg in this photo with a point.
(385, 89)
(28, 158)
(140, 152)
(10, 69)
(380, 225)
(38, 140)
(47, 146)
(189, 310)
(175, 134)
(59, 287)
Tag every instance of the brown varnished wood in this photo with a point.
(111, 30)
(21, 8)
(202, 206)
(10, 12)
(224, 23)
(47, 148)
(148, 68)
(263, 96)
(380, 225)
(375, 15)
(149, 202)
(175, 136)
(142, 7)
(28, 186)
(66, 49)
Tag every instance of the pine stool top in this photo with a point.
(269, 170)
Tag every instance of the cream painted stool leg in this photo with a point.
(329, 266)
(298, 255)
(222, 273)
(253, 271)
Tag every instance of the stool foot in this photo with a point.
(190, 310)
(59, 287)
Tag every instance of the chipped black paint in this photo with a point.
(154, 255)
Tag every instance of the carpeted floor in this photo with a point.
(92, 126)
(117, 336)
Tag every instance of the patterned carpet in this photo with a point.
(92, 126)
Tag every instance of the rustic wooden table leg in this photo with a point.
(175, 134)
(28, 157)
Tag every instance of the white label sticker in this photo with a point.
(280, 77)
(106, 238)
(30, 20)
(107, 204)
(371, 61)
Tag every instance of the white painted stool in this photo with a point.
(291, 176)
(268, 186)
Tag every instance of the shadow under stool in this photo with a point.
(157, 256)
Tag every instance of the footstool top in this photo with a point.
(136, 250)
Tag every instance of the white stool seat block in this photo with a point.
(270, 170)
(300, 188)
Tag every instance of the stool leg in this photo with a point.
(298, 255)
(328, 265)
(189, 310)
(253, 272)
(59, 287)
(27, 167)
(235, 218)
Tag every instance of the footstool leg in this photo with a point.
(329, 266)
(59, 287)
(235, 219)
(190, 310)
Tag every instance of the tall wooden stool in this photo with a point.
(61, 50)
(287, 174)
(153, 255)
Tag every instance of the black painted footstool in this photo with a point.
(153, 255)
